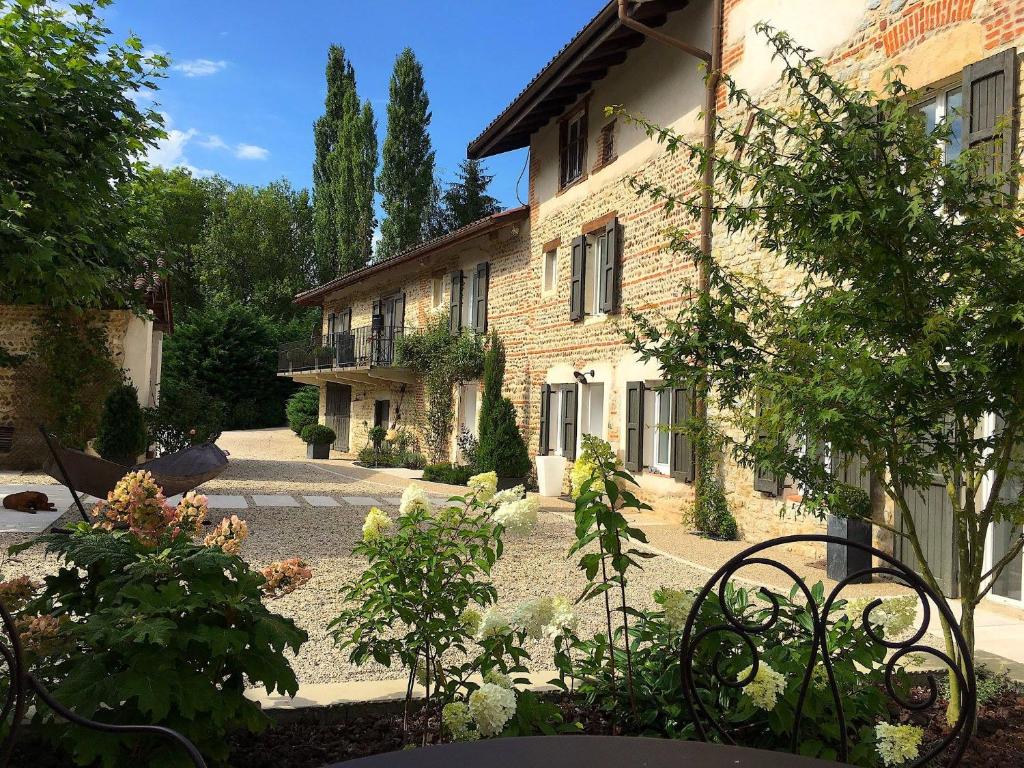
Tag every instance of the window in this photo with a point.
(594, 287)
(551, 270)
(558, 412)
(572, 148)
(469, 287)
(597, 253)
(656, 430)
(657, 434)
(606, 146)
(592, 410)
(946, 105)
(436, 292)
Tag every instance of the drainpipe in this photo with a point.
(714, 62)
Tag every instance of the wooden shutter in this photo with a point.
(579, 276)
(570, 398)
(764, 480)
(634, 425)
(609, 269)
(331, 317)
(455, 310)
(482, 277)
(399, 321)
(345, 320)
(990, 109)
(545, 419)
(682, 458)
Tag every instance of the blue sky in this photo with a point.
(247, 77)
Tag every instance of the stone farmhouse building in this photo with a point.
(556, 278)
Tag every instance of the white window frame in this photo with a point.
(593, 284)
(549, 269)
(586, 414)
(941, 99)
(437, 292)
(655, 400)
(468, 298)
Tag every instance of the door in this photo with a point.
(338, 413)
(933, 518)
(382, 413)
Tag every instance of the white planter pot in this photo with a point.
(550, 470)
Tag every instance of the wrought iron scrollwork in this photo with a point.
(746, 631)
(22, 685)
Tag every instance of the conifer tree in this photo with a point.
(466, 200)
(407, 176)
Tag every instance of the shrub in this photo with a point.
(502, 448)
(122, 435)
(303, 408)
(452, 474)
(185, 416)
(593, 452)
(711, 514)
(151, 627)
(469, 447)
(318, 434)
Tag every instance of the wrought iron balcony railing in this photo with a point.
(367, 347)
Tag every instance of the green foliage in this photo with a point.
(391, 448)
(345, 142)
(230, 353)
(170, 635)
(711, 514)
(71, 133)
(445, 472)
(445, 360)
(68, 375)
(303, 408)
(594, 453)
(318, 434)
(406, 180)
(502, 448)
(185, 416)
(466, 200)
(122, 435)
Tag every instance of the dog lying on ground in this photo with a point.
(28, 501)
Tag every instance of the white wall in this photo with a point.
(143, 350)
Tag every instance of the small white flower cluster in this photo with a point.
(491, 706)
(546, 617)
(766, 687)
(377, 524)
(508, 495)
(896, 744)
(413, 498)
(677, 604)
(492, 624)
(483, 485)
(896, 615)
(456, 719)
(518, 516)
(471, 619)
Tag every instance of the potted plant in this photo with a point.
(318, 439)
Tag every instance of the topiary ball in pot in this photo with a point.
(303, 408)
(318, 439)
(122, 434)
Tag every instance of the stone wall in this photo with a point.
(19, 334)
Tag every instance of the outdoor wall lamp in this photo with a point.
(582, 377)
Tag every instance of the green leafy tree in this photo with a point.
(466, 200)
(122, 436)
(900, 344)
(502, 448)
(71, 134)
(303, 408)
(345, 139)
(407, 176)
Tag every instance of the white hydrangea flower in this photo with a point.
(471, 619)
(677, 604)
(563, 618)
(491, 707)
(455, 717)
(533, 615)
(413, 498)
(896, 615)
(508, 495)
(500, 679)
(492, 624)
(377, 524)
(484, 485)
(766, 687)
(896, 744)
(518, 516)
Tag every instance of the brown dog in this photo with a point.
(28, 501)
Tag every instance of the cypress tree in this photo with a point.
(466, 200)
(407, 176)
(343, 170)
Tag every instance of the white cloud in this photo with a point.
(200, 67)
(251, 152)
(169, 152)
(212, 141)
(141, 96)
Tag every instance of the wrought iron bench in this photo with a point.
(23, 685)
(743, 635)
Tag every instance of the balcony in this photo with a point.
(358, 350)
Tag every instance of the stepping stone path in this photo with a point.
(321, 501)
(227, 502)
(360, 501)
(261, 500)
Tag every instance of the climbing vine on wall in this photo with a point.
(445, 360)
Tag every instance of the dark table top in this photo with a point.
(585, 752)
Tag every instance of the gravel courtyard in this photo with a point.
(265, 462)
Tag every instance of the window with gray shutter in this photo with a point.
(634, 425)
(990, 109)
(545, 419)
(609, 269)
(765, 480)
(578, 279)
(682, 459)
(570, 397)
(455, 310)
(482, 276)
